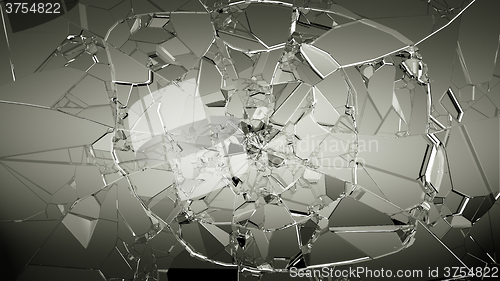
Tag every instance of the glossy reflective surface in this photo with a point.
(258, 135)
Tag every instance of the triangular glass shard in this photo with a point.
(81, 228)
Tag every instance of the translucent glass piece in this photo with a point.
(17, 190)
(292, 103)
(307, 128)
(87, 207)
(274, 31)
(369, 243)
(254, 136)
(478, 58)
(241, 44)
(351, 212)
(450, 103)
(170, 50)
(320, 255)
(420, 111)
(381, 88)
(369, 43)
(125, 69)
(67, 77)
(462, 181)
(194, 30)
(151, 181)
(436, 169)
(78, 131)
(281, 243)
(158, 22)
(320, 61)
(460, 222)
(81, 228)
(324, 112)
(150, 35)
(210, 79)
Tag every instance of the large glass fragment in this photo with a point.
(143, 137)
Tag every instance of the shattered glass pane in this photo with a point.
(144, 137)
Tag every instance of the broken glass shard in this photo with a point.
(262, 135)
